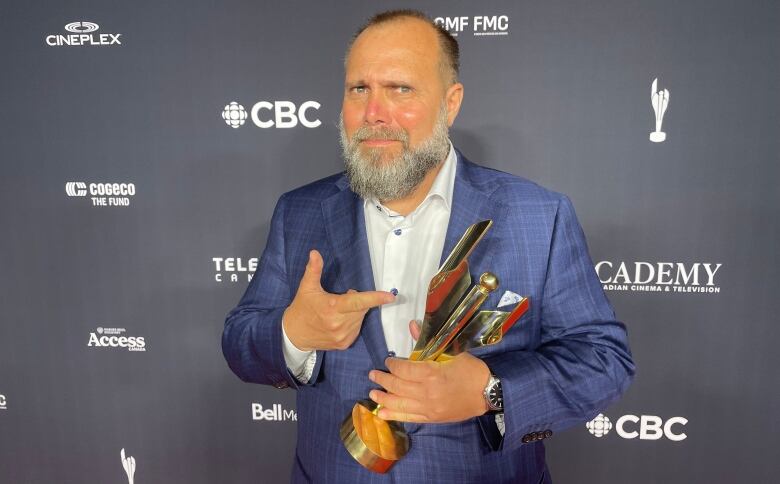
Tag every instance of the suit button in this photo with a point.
(547, 433)
(526, 438)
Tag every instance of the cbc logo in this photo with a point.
(277, 114)
(646, 427)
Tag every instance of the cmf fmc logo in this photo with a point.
(276, 114)
(82, 33)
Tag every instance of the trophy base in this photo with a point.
(657, 136)
(375, 443)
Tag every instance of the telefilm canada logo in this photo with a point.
(102, 194)
(234, 269)
(477, 25)
(644, 427)
(640, 276)
(273, 114)
(3, 402)
(108, 338)
(82, 34)
(274, 414)
(128, 464)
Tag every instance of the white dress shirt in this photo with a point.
(405, 254)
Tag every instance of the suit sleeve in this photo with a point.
(583, 362)
(252, 340)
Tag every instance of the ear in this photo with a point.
(453, 97)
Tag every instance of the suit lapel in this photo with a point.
(345, 226)
(470, 205)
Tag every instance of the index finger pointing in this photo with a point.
(362, 301)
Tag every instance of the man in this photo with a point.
(346, 268)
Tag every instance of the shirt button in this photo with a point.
(394, 291)
(397, 231)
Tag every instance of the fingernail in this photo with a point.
(372, 395)
(371, 376)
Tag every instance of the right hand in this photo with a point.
(318, 320)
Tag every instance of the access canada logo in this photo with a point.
(477, 25)
(640, 276)
(82, 33)
(274, 414)
(102, 194)
(644, 427)
(115, 338)
(273, 114)
(234, 269)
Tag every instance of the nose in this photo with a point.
(377, 111)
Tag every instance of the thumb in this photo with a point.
(414, 328)
(313, 273)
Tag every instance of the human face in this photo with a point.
(394, 84)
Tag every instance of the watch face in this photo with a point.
(496, 396)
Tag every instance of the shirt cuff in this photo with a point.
(299, 362)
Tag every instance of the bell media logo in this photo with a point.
(3, 402)
(102, 194)
(128, 464)
(81, 35)
(273, 114)
(114, 338)
(645, 427)
(679, 277)
(478, 25)
(274, 414)
(234, 269)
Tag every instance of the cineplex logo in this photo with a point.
(113, 338)
(82, 33)
(659, 276)
(478, 25)
(3, 402)
(102, 194)
(646, 427)
(273, 114)
(234, 269)
(274, 414)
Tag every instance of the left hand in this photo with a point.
(431, 392)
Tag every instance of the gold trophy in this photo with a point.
(452, 325)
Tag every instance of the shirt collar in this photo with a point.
(442, 188)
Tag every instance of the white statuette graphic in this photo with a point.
(660, 101)
(129, 465)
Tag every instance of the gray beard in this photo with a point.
(371, 178)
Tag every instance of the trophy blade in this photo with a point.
(450, 284)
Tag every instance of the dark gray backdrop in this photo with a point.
(556, 91)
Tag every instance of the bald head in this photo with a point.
(441, 45)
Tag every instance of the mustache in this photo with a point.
(384, 133)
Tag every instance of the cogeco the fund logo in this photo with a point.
(102, 194)
(82, 34)
(273, 114)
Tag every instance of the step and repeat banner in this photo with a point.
(144, 145)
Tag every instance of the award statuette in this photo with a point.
(452, 324)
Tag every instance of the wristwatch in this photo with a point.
(494, 397)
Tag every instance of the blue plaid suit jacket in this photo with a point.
(563, 362)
